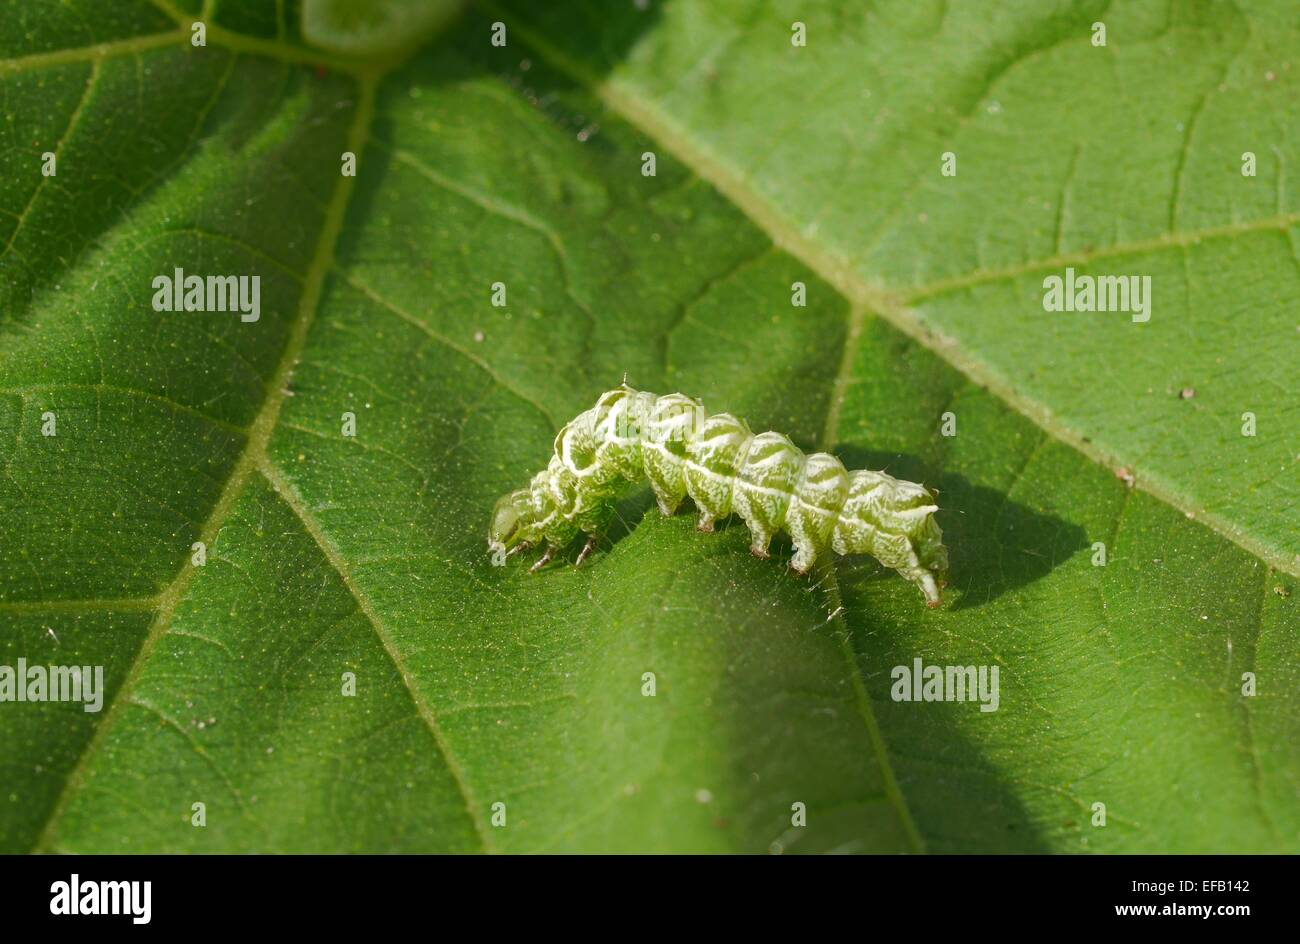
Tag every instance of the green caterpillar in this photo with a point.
(724, 467)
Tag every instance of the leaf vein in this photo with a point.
(288, 494)
(254, 450)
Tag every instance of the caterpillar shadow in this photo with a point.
(960, 799)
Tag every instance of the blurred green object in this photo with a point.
(361, 27)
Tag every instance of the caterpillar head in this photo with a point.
(514, 522)
(933, 556)
(913, 507)
(900, 530)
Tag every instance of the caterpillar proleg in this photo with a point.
(724, 468)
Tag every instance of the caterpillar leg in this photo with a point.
(518, 548)
(930, 588)
(759, 544)
(666, 481)
(705, 523)
(667, 508)
(543, 560)
(805, 555)
(586, 550)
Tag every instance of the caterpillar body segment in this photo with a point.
(724, 467)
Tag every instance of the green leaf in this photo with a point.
(483, 692)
